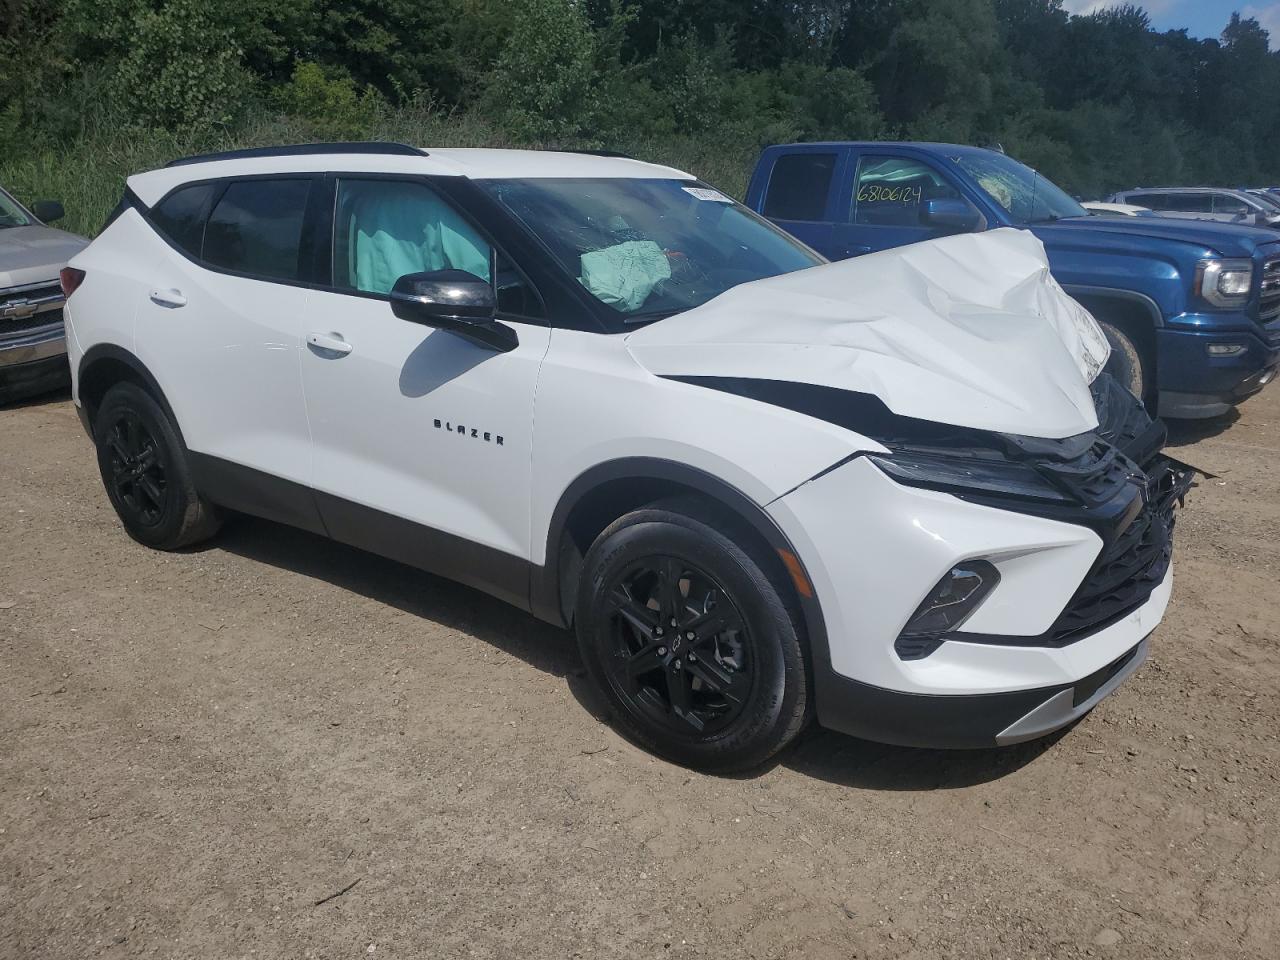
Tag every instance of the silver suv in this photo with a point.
(33, 347)
(1206, 203)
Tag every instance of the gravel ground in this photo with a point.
(197, 749)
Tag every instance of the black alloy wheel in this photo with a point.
(689, 626)
(144, 468)
(681, 650)
(137, 469)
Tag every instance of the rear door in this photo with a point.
(801, 192)
(222, 325)
(882, 210)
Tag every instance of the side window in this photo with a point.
(256, 228)
(1224, 203)
(798, 186)
(1191, 203)
(890, 190)
(1152, 201)
(181, 215)
(384, 229)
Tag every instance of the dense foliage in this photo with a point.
(92, 89)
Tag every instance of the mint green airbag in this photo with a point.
(625, 274)
(398, 229)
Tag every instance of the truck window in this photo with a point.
(890, 190)
(1152, 201)
(798, 187)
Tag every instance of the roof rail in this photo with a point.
(303, 150)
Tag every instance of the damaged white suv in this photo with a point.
(761, 487)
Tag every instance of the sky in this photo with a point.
(1203, 18)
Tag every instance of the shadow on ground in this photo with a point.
(1189, 431)
(818, 753)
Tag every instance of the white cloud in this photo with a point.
(1084, 7)
(1269, 16)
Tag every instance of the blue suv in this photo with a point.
(1192, 308)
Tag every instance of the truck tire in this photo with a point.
(1126, 363)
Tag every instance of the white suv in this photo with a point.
(761, 487)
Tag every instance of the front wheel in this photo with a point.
(691, 641)
(1126, 361)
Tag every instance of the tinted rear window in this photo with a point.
(181, 215)
(798, 186)
(256, 228)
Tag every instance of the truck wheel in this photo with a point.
(690, 641)
(144, 469)
(1125, 362)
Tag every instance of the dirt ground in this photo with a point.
(197, 748)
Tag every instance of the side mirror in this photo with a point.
(952, 214)
(47, 211)
(453, 300)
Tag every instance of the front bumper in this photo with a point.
(970, 722)
(874, 549)
(33, 363)
(1194, 384)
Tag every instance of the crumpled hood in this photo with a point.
(36, 253)
(968, 330)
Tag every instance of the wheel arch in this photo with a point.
(611, 489)
(1134, 314)
(107, 364)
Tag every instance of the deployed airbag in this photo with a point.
(624, 274)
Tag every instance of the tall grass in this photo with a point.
(88, 174)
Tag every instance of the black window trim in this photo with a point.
(221, 184)
(324, 259)
(944, 175)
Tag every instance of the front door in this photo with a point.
(884, 206)
(422, 439)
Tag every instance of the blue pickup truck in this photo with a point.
(1192, 308)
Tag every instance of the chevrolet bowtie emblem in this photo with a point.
(18, 308)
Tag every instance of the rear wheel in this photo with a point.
(144, 469)
(691, 641)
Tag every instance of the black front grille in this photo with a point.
(1269, 302)
(1131, 566)
(15, 302)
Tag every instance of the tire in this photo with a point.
(738, 692)
(1126, 363)
(144, 469)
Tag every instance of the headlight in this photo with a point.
(968, 475)
(1224, 283)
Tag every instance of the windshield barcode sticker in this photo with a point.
(703, 193)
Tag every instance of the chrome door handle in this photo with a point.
(330, 342)
(168, 298)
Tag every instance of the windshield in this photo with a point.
(650, 248)
(1025, 195)
(11, 215)
(1270, 204)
